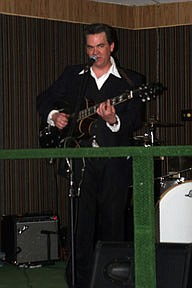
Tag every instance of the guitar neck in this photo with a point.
(145, 92)
(90, 111)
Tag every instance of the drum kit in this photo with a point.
(149, 138)
(174, 211)
(174, 204)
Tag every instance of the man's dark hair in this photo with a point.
(96, 28)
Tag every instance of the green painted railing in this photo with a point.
(143, 193)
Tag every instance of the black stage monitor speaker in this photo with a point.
(114, 265)
(30, 239)
(173, 265)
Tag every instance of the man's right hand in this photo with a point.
(60, 119)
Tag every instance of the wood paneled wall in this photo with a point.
(87, 11)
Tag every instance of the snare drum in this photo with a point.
(174, 212)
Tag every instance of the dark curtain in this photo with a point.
(33, 53)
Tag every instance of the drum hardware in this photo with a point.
(151, 132)
(158, 124)
(142, 140)
(150, 138)
(146, 140)
(165, 184)
(173, 174)
(170, 180)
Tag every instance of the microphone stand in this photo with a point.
(72, 193)
(72, 198)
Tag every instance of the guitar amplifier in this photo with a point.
(31, 239)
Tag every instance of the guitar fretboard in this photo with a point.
(90, 111)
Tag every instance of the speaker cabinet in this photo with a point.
(114, 265)
(30, 239)
(173, 265)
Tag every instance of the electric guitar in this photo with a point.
(52, 137)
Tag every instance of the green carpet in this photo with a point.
(49, 276)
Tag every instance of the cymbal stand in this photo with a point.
(176, 173)
(151, 133)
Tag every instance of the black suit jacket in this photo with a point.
(71, 90)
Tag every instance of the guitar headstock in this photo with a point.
(150, 91)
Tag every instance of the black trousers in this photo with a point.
(101, 210)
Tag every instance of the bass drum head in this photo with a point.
(174, 212)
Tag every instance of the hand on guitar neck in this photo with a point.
(107, 112)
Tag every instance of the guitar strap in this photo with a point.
(125, 76)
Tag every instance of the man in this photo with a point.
(104, 189)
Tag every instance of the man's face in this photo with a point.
(98, 45)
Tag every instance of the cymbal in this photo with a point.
(145, 139)
(163, 125)
(140, 137)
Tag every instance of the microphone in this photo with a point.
(90, 62)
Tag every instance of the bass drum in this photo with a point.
(166, 184)
(174, 214)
